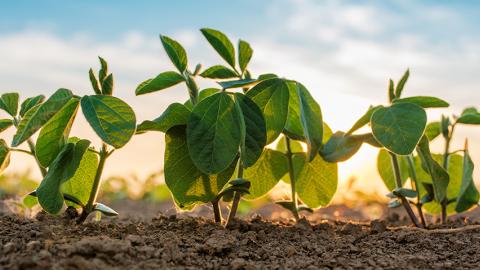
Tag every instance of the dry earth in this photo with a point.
(183, 242)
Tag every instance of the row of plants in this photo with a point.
(238, 140)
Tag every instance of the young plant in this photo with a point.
(460, 194)
(291, 113)
(212, 135)
(9, 103)
(72, 168)
(399, 128)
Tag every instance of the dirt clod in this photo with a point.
(378, 226)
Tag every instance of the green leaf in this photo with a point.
(341, 147)
(221, 44)
(175, 115)
(175, 52)
(272, 98)
(401, 84)
(468, 195)
(201, 96)
(107, 85)
(405, 192)
(54, 133)
(5, 124)
(293, 126)
(29, 103)
(62, 169)
(311, 118)
(266, 76)
(385, 169)
(317, 182)
(433, 130)
(391, 90)
(470, 110)
(107, 211)
(469, 118)
(189, 186)
(424, 101)
(440, 177)
(445, 124)
(32, 122)
(112, 119)
(426, 188)
(256, 134)
(9, 103)
(394, 203)
(162, 81)
(4, 155)
(94, 82)
(81, 183)
(368, 138)
(30, 201)
(399, 127)
(237, 83)
(245, 53)
(213, 133)
(365, 119)
(265, 173)
(219, 72)
(102, 74)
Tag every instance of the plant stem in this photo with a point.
(398, 183)
(415, 185)
(446, 157)
(236, 196)
(217, 214)
(31, 146)
(291, 174)
(96, 183)
(21, 151)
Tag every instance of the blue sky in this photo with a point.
(343, 51)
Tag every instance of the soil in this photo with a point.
(185, 242)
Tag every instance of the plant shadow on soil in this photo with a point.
(185, 242)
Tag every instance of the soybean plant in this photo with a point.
(399, 129)
(292, 114)
(460, 193)
(216, 132)
(71, 168)
(9, 103)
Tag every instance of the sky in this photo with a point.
(344, 52)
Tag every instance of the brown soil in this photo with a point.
(183, 242)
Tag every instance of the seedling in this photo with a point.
(214, 133)
(72, 169)
(460, 194)
(399, 129)
(9, 102)
(291, 113)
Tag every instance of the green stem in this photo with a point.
(291, 174)
(96, 184)
(415, 185)
(236, 196)
(21, 151)
(446, 157)
(31, 146)
(398, 183)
